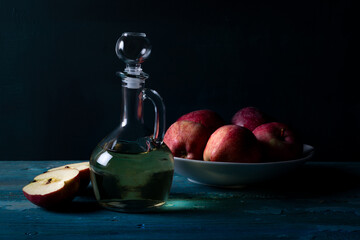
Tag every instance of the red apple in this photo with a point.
(232, 143)
(249, 117)
(279, 141)
(51, 189)
(83, 168)
(187, 139)
(208, 118)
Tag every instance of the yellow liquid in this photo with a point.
(132, 182)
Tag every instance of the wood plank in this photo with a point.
(321, 201)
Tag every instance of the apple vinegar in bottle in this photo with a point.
(132, 169)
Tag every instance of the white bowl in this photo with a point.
(230, 174)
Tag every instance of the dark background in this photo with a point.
(59, 95)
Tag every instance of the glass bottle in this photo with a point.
(132, 169)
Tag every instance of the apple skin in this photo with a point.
(63, 192)
(279, 142)
(187, 139)
(210, 119)
(250, 117)
(232, 143)
(83, 168)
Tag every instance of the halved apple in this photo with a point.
(53, 188)
(82, 167)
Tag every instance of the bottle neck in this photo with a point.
(132, 103)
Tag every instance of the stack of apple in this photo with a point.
(252, 137)
(58, 185)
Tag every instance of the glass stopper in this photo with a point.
(133, 48)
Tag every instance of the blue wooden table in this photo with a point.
(320, 201)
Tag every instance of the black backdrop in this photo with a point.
(60, 96)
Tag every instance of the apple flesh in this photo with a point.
(250, 117)
(82, 167)
(52, 189)
(208, 118)
(279, 141)
(187, 139)
(232, 143)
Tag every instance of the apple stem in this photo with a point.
(282, 132)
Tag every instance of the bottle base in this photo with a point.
(131, 205)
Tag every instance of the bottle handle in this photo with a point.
(159, 107)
